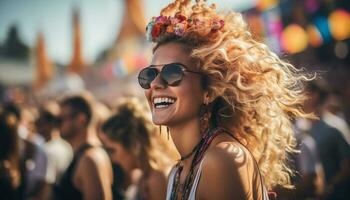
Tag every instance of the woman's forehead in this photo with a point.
(171, 53)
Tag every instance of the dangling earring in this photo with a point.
(204, 117)
(160, 130)
(168, 131)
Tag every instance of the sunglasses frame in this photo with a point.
(182, 66)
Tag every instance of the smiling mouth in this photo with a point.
(163, 102)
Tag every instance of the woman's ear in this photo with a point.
(206, 98)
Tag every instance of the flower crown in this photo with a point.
(177, 25)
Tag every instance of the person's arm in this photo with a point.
(157, 186)
(310, 170)
(226, 174)
(93, 175)
(41, 186)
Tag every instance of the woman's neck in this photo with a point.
(186, 136)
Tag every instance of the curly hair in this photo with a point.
(256, 94)
(131, 127)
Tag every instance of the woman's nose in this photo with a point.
(158, 83)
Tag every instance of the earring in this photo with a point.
(160, 130)
(204, 117)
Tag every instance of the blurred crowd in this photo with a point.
(77, 147)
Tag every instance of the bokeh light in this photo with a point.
(266, 4)
(322, 25)
(294, 39)
(339, 24)
(314, 35)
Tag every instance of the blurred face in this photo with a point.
(68, 126)
(119, 154)
(43, 127)
(172, 105)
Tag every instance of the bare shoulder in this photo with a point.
(93, 174)
(95, 154)
(156, 184)
(226, 165)
(230, 153)
(94, 162)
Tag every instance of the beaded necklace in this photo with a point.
(200, 149)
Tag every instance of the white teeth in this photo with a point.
(161, 106)
(163, 101)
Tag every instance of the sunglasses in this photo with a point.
(171, 74)
(60, 119)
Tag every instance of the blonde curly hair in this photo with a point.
(257, 95)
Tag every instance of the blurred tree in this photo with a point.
(13, 47)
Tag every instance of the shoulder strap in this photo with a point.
(171, 178)
(192, 195)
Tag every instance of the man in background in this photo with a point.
(58, 151)
(333, 149)
(89, 175)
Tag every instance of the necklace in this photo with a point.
(190, 154)
(199, 151)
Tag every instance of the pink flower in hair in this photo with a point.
(174, 20)
(180, 28)
(161, 19)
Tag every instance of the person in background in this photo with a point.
(133, 144)
(10, 174)
(333, 115)
(33, 159)
(333, 149)
(59, 152)
(309, 180)
(89, 175)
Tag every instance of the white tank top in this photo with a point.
(192, 195)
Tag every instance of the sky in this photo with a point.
(100, 21)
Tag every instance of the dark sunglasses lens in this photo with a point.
(172, 74)
(146, 77)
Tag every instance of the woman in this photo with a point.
(227, 101)
(131, 140)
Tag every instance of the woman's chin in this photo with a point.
(159, 122)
